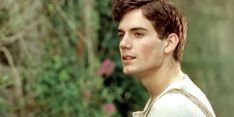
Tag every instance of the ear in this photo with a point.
(171, 43)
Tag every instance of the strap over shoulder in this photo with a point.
(194, 99)
(191, 97)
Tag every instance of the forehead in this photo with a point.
(133, 19)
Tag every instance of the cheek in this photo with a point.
(150, 51)
(147, 52)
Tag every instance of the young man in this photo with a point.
(152, 37)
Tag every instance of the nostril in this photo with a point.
(122, 46)
(125, 46)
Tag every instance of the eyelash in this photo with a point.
(138, 35)
(120, 36)
(135, 34)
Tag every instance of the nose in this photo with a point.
(125, 43)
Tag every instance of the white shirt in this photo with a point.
(174, 104)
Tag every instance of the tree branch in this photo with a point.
(18, 93)
(12, 39)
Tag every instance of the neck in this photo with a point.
(156, 81)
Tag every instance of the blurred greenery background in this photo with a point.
(59, 58)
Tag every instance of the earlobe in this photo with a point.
(171, 43)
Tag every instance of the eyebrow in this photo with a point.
(134, 29)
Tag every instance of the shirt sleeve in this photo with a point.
(175, 105)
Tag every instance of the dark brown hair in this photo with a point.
(164, 15)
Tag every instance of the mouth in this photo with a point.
(127, 58)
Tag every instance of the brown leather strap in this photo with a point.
(194, 99)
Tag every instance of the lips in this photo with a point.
(128, 58)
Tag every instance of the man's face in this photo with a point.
(140, 48)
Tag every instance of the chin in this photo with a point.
(126, 71)
(129, 72)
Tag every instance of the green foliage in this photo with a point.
(59, 49)
(64, 85)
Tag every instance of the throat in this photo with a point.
(155, 88)
(157, 84)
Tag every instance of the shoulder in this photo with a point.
(175, 105)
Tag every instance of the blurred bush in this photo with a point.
(60, 58)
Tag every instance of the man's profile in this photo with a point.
(152, 37)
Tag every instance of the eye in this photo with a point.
(120, 35)
(139, 34)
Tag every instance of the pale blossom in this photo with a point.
(106, 69)
(109, 108)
